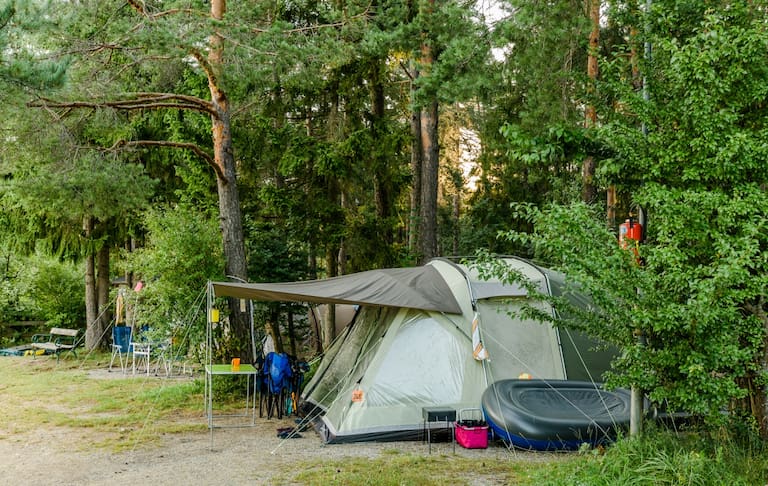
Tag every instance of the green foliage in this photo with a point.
(25, 61)
(705, 122)
(182, 252)
(699, 343)
(535, 169)
(50, 186)
(697, 291)
(58, 292)
(460, 49)
(92, 186)
(530, 121)
(663, 458)
(39, 288)
(544, 70)
(273, 257)
(16, 303)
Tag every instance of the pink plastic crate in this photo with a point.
(471, 434)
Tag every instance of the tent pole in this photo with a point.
(209, 324)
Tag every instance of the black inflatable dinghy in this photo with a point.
(555, 414)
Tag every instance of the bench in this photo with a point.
(57, 341)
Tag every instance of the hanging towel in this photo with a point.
(478, 350)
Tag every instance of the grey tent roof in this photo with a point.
(417, 288)
(488, 290)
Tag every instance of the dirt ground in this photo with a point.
(224, 456)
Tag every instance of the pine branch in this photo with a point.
(205, 65)
(364, 15)
(142, 101)
(180, 145)
(139, 7)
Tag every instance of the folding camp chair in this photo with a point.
(121, 339)
(142, 352)
(277, 374)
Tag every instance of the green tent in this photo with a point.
(412, 345)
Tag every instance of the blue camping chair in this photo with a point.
(121, 339)
(276, 376)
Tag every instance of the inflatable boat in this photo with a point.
(555, 414)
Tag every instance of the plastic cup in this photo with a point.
(235, 364)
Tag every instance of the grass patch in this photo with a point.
(661, 457)
(63, 399)
(116, 413)
(395, 469)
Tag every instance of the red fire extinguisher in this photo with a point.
(630, 230)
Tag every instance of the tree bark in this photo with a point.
(329, 320)
(589, 190)
(291, 333)
(91, 299)
(610, 204)
(416, 163)
(380, 182)
(273, 328)
(101, 325)
(429, 178)
(230, 217)
(429, 151)
(456, 217)
(341, 256)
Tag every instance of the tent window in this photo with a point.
(518, 345)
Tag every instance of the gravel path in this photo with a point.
(229, 456)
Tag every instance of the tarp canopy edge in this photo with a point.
(416, 287)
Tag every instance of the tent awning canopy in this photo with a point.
(417, 288)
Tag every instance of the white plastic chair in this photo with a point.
(141, 355)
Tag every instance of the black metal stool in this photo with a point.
(438, 414)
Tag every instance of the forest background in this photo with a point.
(178, 142)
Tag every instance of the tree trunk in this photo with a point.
(341, 256)
(273, 328)
(92, 334)
(416, 163)
(429, 179)
(128, 307)
(317, 332)
(378, 102)
(291, 334)
(329, 320)
(312, 261)
(429, 150)
(104, 318)
(381, 184)
(589, 190)
(757, 391)
(610, 203)
(230, 218)
(456, 216)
